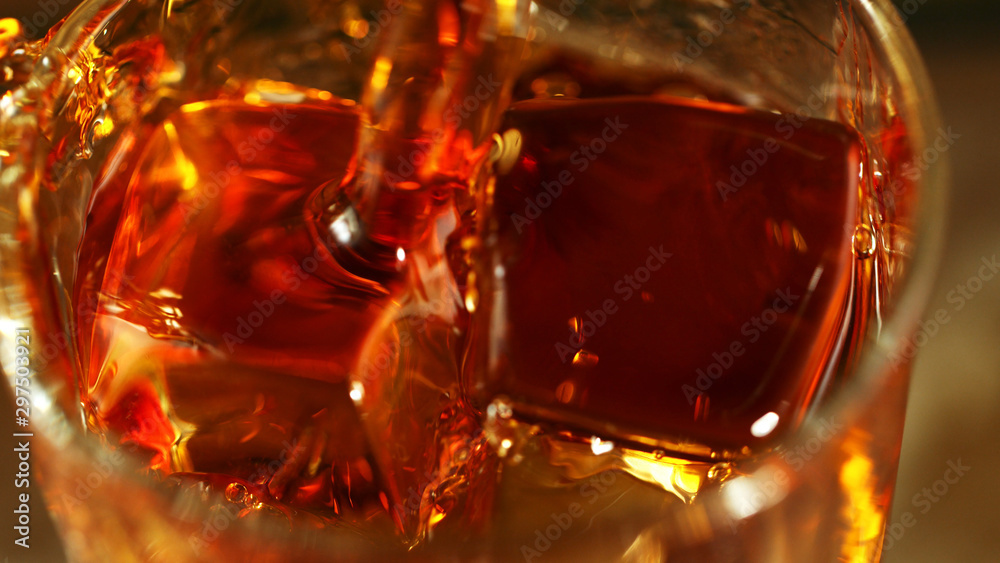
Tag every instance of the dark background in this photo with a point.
(954, 411)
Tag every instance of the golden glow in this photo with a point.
(682, 478)
(380, 78)
(506, 16)
(252, 98)
(865, 517)
(584, 358)
(436, 517)
(103, 127)
(356, 28)
(10, 29)
(448, 25)
(195, 106)
(185, 168)
(471, 293)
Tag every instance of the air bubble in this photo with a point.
(236, 493)
(586, 359)
(720, 472)
(863, 242)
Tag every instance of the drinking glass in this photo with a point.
(80, 101)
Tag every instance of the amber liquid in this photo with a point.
(225, 339)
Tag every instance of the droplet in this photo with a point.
(236, 493)
(720, 472)
(583, 358)
(565, 391)
(864, 242)
(659, 454)
(647, 296)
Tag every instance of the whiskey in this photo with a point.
(615, 287)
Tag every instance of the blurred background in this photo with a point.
(954, 409)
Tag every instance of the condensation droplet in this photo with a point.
(586, 359)
(864, 242)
